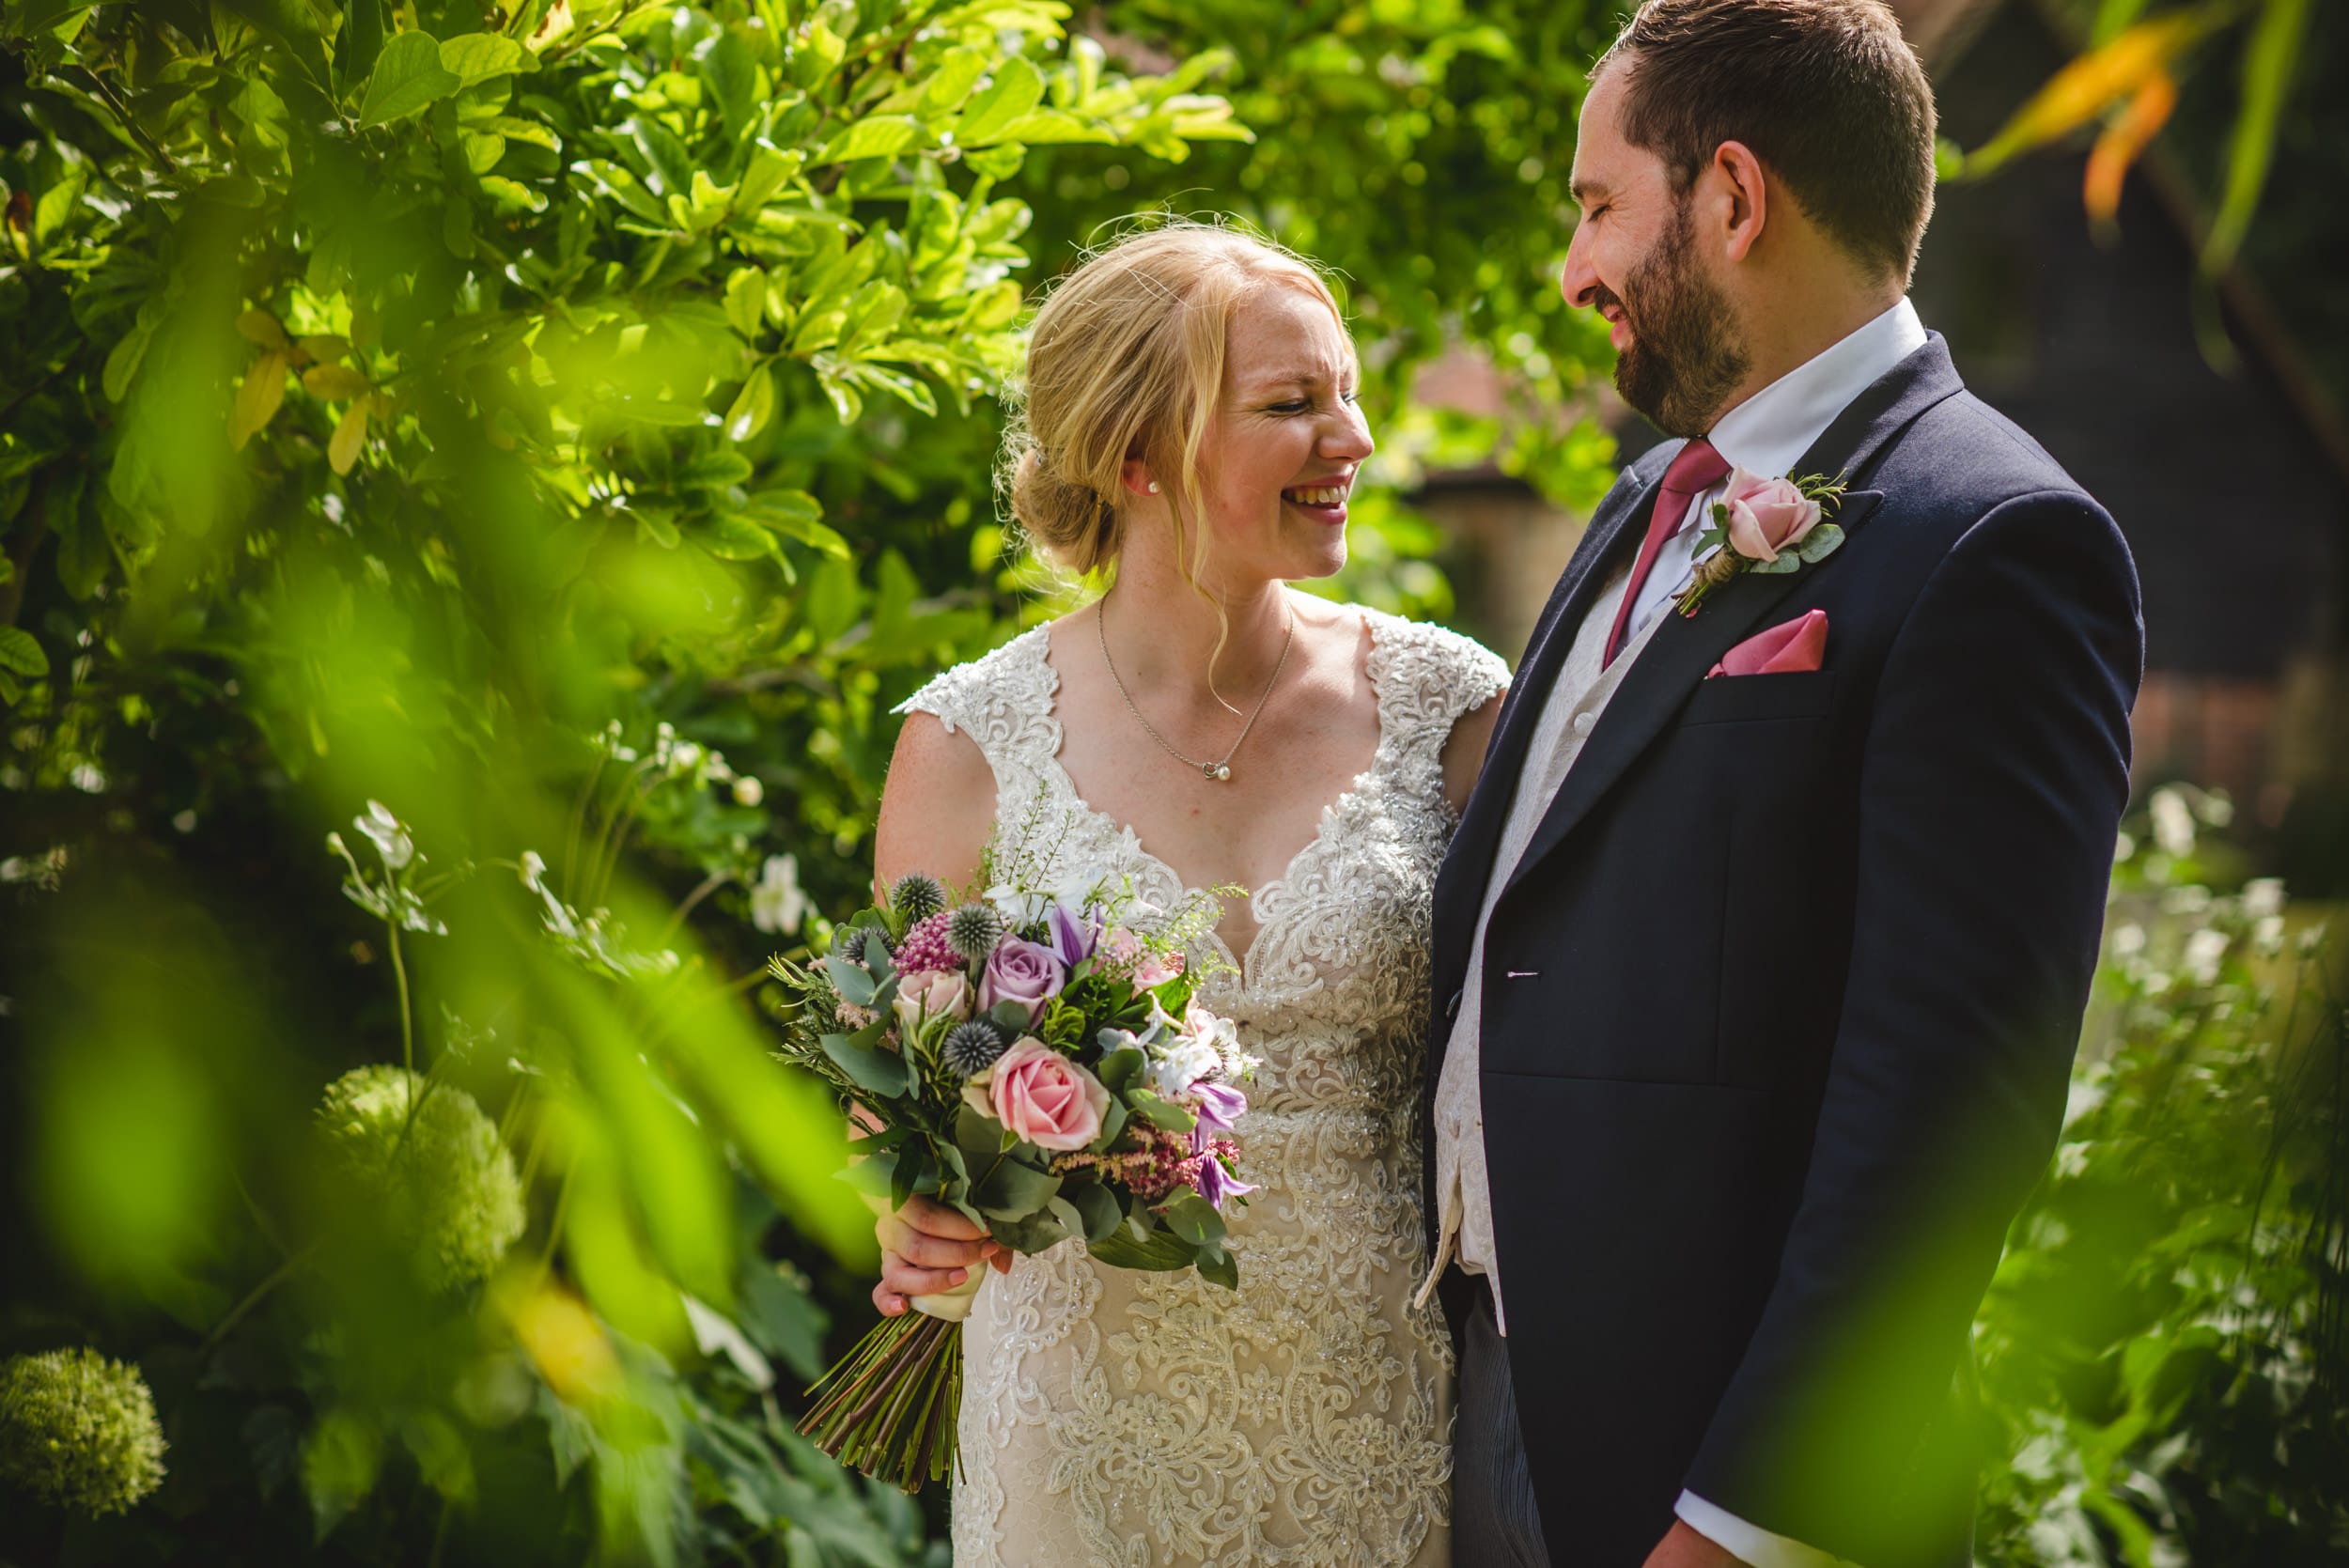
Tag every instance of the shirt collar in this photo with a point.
(1768, 433)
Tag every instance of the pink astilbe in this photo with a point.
(925, 947)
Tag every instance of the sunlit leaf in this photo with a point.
(409, 76)
(1017, 87)
(350, 433)
(2088, 86)
(2131, 131)
(258, 398)
(2268, 62)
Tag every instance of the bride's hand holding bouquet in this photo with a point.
(1031, 1062)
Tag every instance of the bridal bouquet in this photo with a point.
(1033, 1060)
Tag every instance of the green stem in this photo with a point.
(578, 825)
(407, 1015)
(707, 885)
(254, 1298)
(554, 1228)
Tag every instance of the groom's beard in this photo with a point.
(1685, 358)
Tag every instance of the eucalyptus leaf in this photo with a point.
(1821, 542)
(1013, 1190)
(1162, 1251)
(1218, 1266)
(850, 979)
(1162, 1113)
(1194, 1219)
(878, 1072)
(1097, 1204)
(1117, 1068)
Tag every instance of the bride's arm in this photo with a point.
(1464, 749)
(937, 812)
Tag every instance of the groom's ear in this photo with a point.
(1739, 199)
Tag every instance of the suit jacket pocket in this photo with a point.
(1745, 699)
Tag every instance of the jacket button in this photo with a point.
(1452, 1009)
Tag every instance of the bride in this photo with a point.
(1190, 421)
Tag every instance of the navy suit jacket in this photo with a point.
(1805, 960)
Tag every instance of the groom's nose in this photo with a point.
(1578, 282)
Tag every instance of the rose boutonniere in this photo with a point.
(1771, 526)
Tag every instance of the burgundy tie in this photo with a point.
(1696, 470)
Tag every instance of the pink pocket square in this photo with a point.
(1789, 649)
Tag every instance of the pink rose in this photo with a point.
(1153, 969)
(1022, 971)
(1044, 1098)
(1767, 516)
(931, 993)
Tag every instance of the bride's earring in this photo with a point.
(1154, 487)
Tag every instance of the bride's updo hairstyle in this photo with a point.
(1126, 359)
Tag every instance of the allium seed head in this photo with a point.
(971, 1046)
(448, 1181)
(973, 930)
(79, 1430)
(917, 897)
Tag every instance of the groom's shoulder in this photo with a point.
(1966, 457)
(1963, 474)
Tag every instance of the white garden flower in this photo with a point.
(748, 791)
(388, 834)
(2262, 896)
(2204, 952)
(2173, 823)
(777, 902)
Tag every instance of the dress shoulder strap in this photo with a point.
(1003, 701)
(1427, 676)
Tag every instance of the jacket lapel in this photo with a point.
(1470, 863)
(1681, 651)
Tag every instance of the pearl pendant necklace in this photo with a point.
(1213, 772)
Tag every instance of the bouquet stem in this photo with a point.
(889, 1408)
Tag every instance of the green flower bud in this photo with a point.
(448, 1182)
(79, 1430)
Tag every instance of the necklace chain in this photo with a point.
(1214, 772)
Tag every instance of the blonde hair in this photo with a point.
(1126, 359)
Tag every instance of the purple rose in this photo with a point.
(1221, 1106)
(1074, 935)
(1022, 971)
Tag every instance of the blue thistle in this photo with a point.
(972, 1047)
(917, 897)
(972, 932)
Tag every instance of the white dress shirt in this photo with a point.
(1766, 435)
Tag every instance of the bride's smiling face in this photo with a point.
(1286, 440)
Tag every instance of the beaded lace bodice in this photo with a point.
(1143, 1420)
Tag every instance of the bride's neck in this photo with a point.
(1162, 632)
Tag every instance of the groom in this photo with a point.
(1763, 946)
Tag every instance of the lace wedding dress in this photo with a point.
(1143, 1420)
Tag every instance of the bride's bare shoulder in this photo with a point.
(938, 805)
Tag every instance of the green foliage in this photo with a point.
(2161, 1350)
(569, 423)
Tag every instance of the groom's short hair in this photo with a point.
(1826, 93)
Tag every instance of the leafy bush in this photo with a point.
(2162, 1349)
(566, 423)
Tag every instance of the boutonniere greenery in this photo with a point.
(1770, 526)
